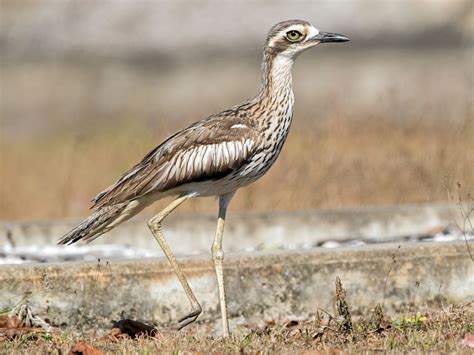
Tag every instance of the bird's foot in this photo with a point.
(189, 318)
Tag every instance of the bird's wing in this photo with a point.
(206, 150)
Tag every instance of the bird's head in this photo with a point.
(290, 38)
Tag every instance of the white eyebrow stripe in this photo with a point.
(296, 27)
(239, 125)
(313, 32)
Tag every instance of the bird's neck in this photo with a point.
(276, 77)
(275, 97)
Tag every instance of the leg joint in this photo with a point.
(217, 253)
(155, 223)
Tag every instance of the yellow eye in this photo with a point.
(294, 35)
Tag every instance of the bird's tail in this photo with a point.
(100, 222)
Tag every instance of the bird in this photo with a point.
(215, 156)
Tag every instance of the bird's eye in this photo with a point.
(294, 35)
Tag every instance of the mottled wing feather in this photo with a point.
(207, 150)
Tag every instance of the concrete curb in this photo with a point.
(260, 286)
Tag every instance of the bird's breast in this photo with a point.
(274, 134)
(274, 128)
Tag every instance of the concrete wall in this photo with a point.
(261, 286)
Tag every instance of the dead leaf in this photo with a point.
(291, 323)
(10, 322)
(82, 348)
(132, 328)
(11, 333)
(468, 341)
(270, 322)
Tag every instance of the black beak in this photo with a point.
(325, 37)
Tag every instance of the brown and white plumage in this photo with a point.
(195, 159)
(214, 156)
(207, 150)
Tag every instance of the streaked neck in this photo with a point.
(276, 76)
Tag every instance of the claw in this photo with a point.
(189, 318)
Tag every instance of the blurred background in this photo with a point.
(87, 88)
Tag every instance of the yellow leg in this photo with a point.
(218, 257)
(155, 226)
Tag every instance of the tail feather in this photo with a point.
(97, 224)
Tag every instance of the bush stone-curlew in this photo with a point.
(212, 157)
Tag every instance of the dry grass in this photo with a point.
(333, 165)
(439, 330)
